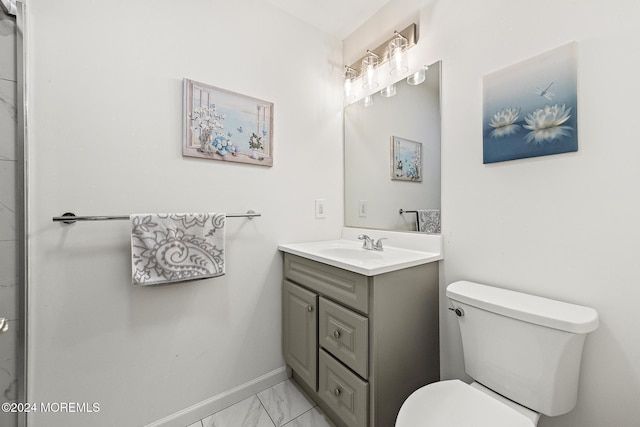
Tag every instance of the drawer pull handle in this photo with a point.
(309, 308)
(336, 334)
(337, 392)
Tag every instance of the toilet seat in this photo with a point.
(454, 403)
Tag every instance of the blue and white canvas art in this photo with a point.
(531, 108)
(224, 125)
(406, 160)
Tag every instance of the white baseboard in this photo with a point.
(217, 403)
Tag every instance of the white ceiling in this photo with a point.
(336, 17)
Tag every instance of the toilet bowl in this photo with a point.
(454, 403)
(524, 353)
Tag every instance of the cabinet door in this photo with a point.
(300, 332)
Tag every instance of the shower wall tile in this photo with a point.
(8, 47)
(7, 200)
(8, 122)
(8, 281)
(8, 381)
(8, 418)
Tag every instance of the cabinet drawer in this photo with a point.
(343, 391)
(344, 286)
(345, 334)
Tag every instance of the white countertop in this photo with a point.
(349, 255)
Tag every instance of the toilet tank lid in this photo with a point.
(528, 308)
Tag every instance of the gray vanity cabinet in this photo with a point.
(359, 345)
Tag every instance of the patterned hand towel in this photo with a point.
(429, 221)
(167, 248)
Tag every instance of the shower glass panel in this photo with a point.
(11, 218)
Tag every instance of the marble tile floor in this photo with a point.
(283, 405)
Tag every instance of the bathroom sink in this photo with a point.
(350, 255)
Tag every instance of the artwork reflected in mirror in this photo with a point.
(406, 159)
(392, 158)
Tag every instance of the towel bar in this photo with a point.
(70, 217)
(402, 211)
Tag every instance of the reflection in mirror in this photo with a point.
(375, 189)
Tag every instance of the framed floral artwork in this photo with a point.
(224, 125)
(531, 109)
(406, 159)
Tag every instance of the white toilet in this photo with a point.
(524, 353)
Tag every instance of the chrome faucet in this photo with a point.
(369, 244)
(378, 245)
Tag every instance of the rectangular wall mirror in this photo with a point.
(392, 156)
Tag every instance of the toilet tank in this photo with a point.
(524, 347)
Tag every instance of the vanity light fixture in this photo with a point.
(418, 77)
(349, 76)
(369, 64)
(392, 51)
(388, 91)
(397, 58)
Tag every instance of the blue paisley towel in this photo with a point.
(167, 248)
(429, 221)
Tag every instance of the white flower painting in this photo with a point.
(530, 109)
(224, 125)
(406, 159)
(546, 124)
(504, 122)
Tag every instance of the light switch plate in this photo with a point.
(321, 208)
(362, 208)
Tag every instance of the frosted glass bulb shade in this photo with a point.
(388, 91)
(397, 57)
(368, 101)
(418, 77)
(348, 88)
(369, 64)
(349, 77)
